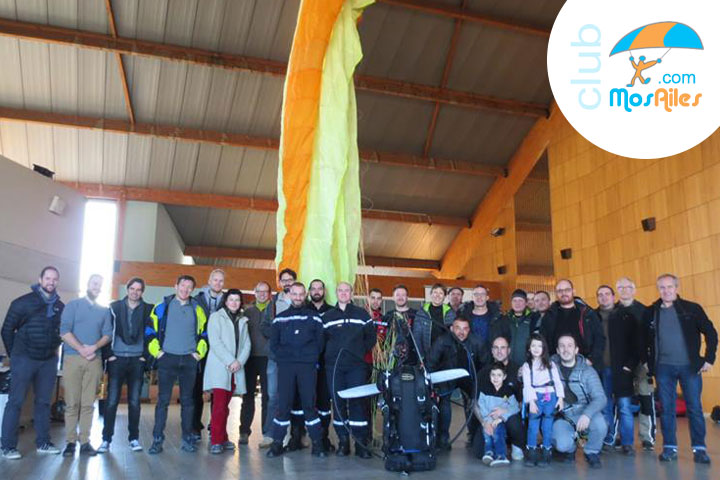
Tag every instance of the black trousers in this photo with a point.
(198, 401)
(183, 369)
(255, 368)
(122, 370)
(322, 400)
(296, 379)
(349, 413)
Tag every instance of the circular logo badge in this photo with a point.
(640, 78)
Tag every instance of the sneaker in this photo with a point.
(531, 458)
(156, 447)
(195, 437)
(69, 450)
(488, 458)
(11, 454)
(104, 447)
(567, 457)
(701, 456)
(517, 453)
(628, 450)
(216, 449)
(607, 447)
(135, 446)
(265, 442)
(668, 455)
(228, 446)
(48, 449)
(275, 450)
(188, 445)
(245, 438)
(648, 445)
(500, 461)
(87, 449)
(593, 460)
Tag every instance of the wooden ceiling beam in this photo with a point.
(187, 134)
(269, 254)
(501, 192)
(458, 13)
(119, 60)
(234, 202)
(209, 58)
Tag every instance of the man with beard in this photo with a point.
(376, 313)
(570, 315)
(278, 304)
(297, 341)
(209, 298)
(432, 319)
(542, 305)
(457, 348)
(31, 335)
(85, 328)
(125, 361)
(349, 334)
(400, 322)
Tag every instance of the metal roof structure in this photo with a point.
(439, 82)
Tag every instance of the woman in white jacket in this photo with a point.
(224, 373)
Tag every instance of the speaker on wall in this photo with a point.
(566, 253)
(502, 269)
(648, 224)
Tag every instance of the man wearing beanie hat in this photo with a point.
(517, 325)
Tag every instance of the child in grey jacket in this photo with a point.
(496, 404)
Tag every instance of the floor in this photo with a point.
(250, 462)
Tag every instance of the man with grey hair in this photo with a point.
(642, 381)
(675, 327)
(85, 328)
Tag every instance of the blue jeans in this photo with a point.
(272, 389)
(691, 383)
(617, 413)
(543, 420)
(497, 442)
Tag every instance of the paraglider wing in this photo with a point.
(659, 35)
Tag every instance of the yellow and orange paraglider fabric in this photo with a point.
(319, 216)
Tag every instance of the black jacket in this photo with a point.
(351, 329)
(118, 317)
(517, 329)
(694, 323)
(297, 336)
(625, 344)
(28, 330)
(593, 338)
(448, 352)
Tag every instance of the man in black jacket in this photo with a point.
(674, 330)
(620, 358)
(31, 334)
(457, 348)
(485, 316)
(125, 361)
(570, 315)
(349, 334)
(296, 340)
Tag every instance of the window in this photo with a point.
(98, 250)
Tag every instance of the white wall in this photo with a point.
(139, 232)
(169, 247)
(31, 237)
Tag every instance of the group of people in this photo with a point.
(543, 375)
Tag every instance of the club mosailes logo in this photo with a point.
(638, 78)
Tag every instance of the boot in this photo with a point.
(318, 449)
(531, 458)
(343, 449)
(275, 450)
(361, 451)
(295, 442)
(325, 424)
(544, 457)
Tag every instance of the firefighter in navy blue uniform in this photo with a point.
(350, 330)
(296, 340)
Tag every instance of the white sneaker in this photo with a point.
(135, 446)
(48, 449)
(11, 454)
(104, 447)
(488, 458)
(266, 442)
(517, 453)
